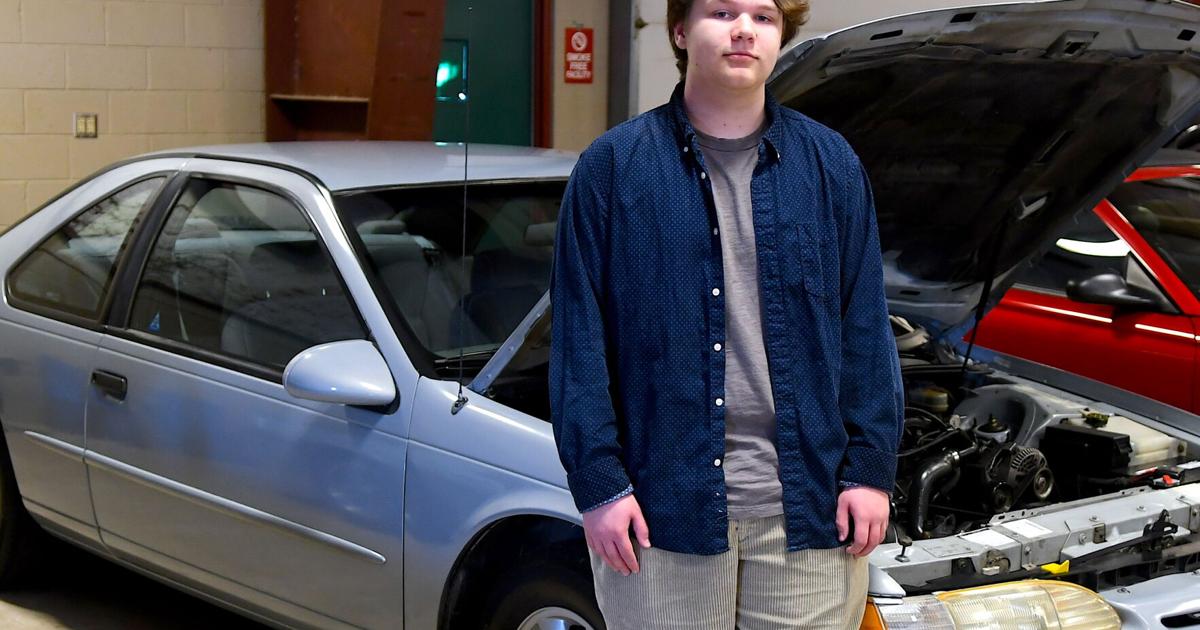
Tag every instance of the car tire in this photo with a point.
(20, 536)
(545, 593)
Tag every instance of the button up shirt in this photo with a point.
(636, 377)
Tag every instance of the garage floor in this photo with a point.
(86, 592)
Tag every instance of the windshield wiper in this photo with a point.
(467, 357)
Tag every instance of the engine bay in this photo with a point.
(976, 445)
(981, 449)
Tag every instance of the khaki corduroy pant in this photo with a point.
(756, 585)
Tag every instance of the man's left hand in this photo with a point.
(868, 507)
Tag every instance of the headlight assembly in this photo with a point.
(1025, 605)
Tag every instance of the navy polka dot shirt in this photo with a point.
(636, 382)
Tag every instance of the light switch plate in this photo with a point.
(87, 125)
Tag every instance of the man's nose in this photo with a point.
(743, 27)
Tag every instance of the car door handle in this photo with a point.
(114, 385)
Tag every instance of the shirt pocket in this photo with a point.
(815, 255)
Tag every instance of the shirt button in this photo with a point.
(715, 231)
(685, 149)
(703, 175)
(717, 347)
(720, 401)
(716, 292)
(717, 462)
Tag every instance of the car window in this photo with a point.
(237, 270)
(457, 299)
(1166, 212)
(71, 271)
(1086, 248)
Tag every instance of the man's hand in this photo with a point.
(868, 507)
(607, 531)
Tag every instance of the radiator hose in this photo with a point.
(926, 483)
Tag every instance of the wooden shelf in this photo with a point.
(317, 98)
(384, 52)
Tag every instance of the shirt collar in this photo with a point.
(686, 134)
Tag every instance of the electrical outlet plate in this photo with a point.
(86, 125)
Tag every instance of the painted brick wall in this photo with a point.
(160, 74)
(580, 109)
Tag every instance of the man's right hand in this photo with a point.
(607, 531)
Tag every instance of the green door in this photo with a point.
(490, 50)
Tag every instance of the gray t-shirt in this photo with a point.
(751, 460)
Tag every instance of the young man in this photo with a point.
(723, 376)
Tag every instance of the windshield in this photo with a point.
(455, 300)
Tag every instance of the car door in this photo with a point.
(1148, 351)
(56, 291)
(202, 466)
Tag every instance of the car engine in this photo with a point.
(975, 446)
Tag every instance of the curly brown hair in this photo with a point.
(795, 14)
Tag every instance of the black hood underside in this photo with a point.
(958, 150)
(984, 131)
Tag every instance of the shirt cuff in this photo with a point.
(843, 484)
(868, 466)
(624, 493)
(598, 482)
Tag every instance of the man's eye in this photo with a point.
(721, 14)
(766, 18)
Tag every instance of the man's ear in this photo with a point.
(679, 36)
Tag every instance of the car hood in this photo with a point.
(984, 129)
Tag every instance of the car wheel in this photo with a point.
(544, 597)
(19, 535)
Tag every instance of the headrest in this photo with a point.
(199, 228)
(540, 234)
(289, 264)
(390, 226)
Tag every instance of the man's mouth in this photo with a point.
(741, 54)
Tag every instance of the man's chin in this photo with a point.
(732, 79)
(741, 81)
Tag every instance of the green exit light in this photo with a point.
(446, 72)
(451, 75)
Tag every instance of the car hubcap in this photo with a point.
(554, 619)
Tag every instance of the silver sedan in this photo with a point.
(308, 381)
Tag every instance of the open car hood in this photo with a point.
(983, 130)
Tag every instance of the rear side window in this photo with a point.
(237, 270)
(71, 271)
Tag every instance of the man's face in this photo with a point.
(731, 43)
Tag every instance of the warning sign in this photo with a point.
(578, 67)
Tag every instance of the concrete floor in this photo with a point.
(85, 592)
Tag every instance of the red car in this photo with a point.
(1117, 298)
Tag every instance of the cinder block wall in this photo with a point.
(580, 109)
(159, 73)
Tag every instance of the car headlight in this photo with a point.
(1025, 605)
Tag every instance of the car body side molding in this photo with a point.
(231, 507)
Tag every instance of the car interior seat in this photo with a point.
(294, 301)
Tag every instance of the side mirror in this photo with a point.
(1108, 288)
(342, 372)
